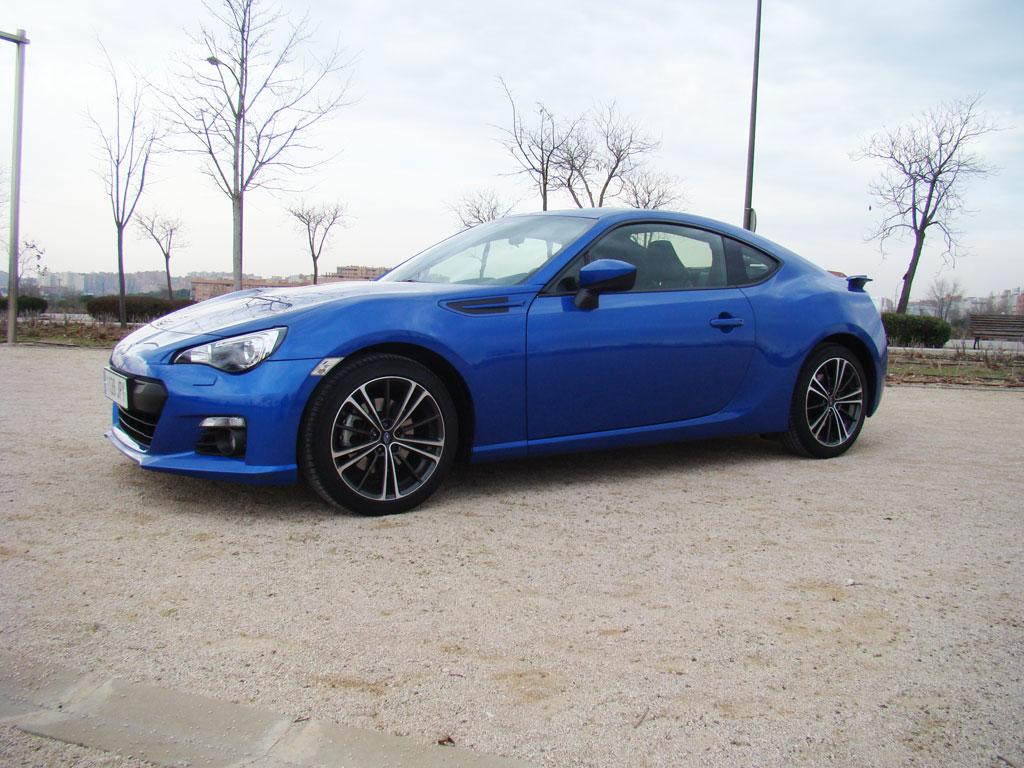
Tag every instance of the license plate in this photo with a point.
(115, 386)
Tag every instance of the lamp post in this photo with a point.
(749, 216)
(21, 41)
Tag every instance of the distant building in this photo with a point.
(207, 288)
(360, 273)
(201, 290)
(63, 282)
(923, 307)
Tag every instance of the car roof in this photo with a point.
(624, 215)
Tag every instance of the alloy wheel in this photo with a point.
(388, 438)
(834, 402)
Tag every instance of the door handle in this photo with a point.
(726, 322)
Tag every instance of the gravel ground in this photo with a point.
(23, 750)
(720, 603)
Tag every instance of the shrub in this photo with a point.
(916, 330)
(26, 305)
(138, 308)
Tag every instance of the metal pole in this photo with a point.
(749, 218)
(19, 96)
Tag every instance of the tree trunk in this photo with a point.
(314, 272)
(122, 309)
(167, 263)
(236, 239)
(908, 278)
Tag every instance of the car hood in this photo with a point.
(224, 313)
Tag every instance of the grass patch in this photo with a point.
(65, 331)
(986, 367)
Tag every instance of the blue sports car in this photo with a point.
(529, 335)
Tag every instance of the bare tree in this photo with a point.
(1001, 304)
(318, 220)
(250, 108)
(645, 188)
(602, 153)
(927, 164)
(538, 148)
(946, 294)
(166, 233)
(599, 157)
(128, 145)
(30, 263)
(480, 206)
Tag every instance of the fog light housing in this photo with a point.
(230, 442)
(222, 421)
(222, 436)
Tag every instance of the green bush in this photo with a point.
(916, 330)
(139, 309)
(26, 304)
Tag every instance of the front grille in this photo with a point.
(140, 427)
(146, 398)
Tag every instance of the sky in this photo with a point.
(423, 128)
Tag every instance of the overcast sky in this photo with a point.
(421, 132)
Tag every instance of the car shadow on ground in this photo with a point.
(204, 497)
(620, 464)
(194, 496)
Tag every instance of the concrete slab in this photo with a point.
(162, 726)
(338, 746)
(27, 686)
(171, 728)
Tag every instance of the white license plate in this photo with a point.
(115, 386)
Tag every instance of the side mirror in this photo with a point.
(601, 276)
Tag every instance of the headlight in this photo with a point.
(237, 354)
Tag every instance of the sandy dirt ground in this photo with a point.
(718, 603)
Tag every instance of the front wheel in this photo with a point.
(379, 435)
(828, 406)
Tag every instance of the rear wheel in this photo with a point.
(828, 407)
(379, 436)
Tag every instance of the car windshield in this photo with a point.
(502, 252)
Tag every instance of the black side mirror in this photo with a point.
(601, 276)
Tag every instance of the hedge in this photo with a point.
(916, 330)
(26, 304)
(138, 308)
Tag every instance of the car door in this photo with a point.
(675, 347)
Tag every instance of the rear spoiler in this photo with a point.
(856, 282)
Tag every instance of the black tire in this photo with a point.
(379, 435)
(829, 404)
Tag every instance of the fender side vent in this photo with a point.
(490, 306)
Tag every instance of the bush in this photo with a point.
(139, 309)
(916, 330)
(26, 304)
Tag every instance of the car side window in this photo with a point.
(747, 265)
(667, 257)
(500, 262)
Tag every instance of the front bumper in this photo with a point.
(196, 465)
(270, 398)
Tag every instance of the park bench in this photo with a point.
(999, 327)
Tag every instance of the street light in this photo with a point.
(749, 216)
(218, 63)
(21, 41)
